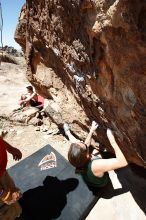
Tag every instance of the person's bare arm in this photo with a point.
(104, 165)
(89, 136)
(30, 97)
(16, 153)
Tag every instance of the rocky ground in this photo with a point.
(25, 137)
(120, 206)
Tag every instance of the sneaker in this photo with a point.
(66, 128)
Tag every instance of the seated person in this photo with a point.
(30, 98)
(93, 168)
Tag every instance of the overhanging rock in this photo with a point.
(88, 58)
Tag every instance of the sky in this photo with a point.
(11, 10)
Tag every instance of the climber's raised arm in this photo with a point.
(104, 165)
(94, 126)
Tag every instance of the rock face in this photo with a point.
(88, 58)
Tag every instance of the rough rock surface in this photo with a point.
(88, 58)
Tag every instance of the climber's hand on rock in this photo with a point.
(94, 126)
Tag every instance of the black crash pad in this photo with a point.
(56, 193)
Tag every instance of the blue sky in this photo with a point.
(11, 10)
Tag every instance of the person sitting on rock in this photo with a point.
(9, 193)
(30, 98)
(93, 168)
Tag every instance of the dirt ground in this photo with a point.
(12, 81)
(24, 137)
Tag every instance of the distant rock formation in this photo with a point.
(89, 58)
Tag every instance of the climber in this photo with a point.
(93, 168)
(30, 98)
(9, 194)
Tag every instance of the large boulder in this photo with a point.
(89, 59)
